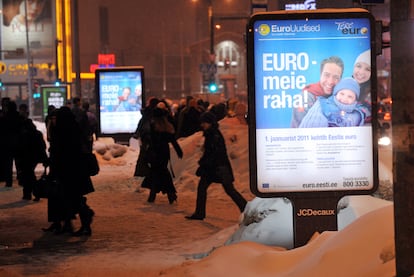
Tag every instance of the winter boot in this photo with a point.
(86, 216)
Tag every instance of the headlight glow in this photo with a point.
(385, 141)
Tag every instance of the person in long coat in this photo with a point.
(143, 134)
(10, 124)
(31, 151)
(68, 167)
(159, 178)
(214, 167)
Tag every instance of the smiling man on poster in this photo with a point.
(331, 73)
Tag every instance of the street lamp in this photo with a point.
(210, 23)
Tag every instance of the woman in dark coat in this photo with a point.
(158, 156)
(214, 167)
(67, 166)
(143, 133)
(9, 130)
(31, 151)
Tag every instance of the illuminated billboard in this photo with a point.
(35, 29)
(21, 35)
(312, 90)
(53, 95)
(120, 96)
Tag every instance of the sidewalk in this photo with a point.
(130, 236)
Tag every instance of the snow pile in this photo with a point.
(363, 248)
(262, 243)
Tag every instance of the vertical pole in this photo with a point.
(29, 62)
(75, 30)
(306, 223)
(211, 24)
(182, 56)
(402, 70)
(164, 63)
(57, 41)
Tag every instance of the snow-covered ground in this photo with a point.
(362, 246)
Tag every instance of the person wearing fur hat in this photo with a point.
(362, 67)
(362, 74)
(214, 167)
(339, 110)
(162, 134)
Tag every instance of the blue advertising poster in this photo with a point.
(312, 87)
(120, 99)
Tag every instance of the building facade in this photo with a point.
(173, 40)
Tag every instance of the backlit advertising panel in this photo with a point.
(53, 95)
(119, 99)
(312, 91)
(28, 20)
(28, 34)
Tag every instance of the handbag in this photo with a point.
(92, 164)
(142, 168)
(47, 187)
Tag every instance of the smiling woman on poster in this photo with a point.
(40, 29)
(362, 74)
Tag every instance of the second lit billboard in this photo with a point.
(119, 99)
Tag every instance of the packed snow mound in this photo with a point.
(363, 248)
(270, 221)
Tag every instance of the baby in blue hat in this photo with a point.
(339, 110)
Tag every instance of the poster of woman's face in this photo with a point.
(27, 25)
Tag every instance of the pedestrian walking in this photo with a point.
(55, 207)
(92, 124)
(10, 124)
(158, 156)
(82, 119)
(143, 134)
(214, 167)
(69, 170)
(31, 151)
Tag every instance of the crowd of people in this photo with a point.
(69, 133)
(161, 126)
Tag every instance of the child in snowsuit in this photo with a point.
(339, 110)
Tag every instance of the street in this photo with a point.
(130, 236)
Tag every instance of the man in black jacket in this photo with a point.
(214, 167)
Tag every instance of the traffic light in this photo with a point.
(36, 89)
(212, 87)
(380, 41)
(36, 95)
(1, 83)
